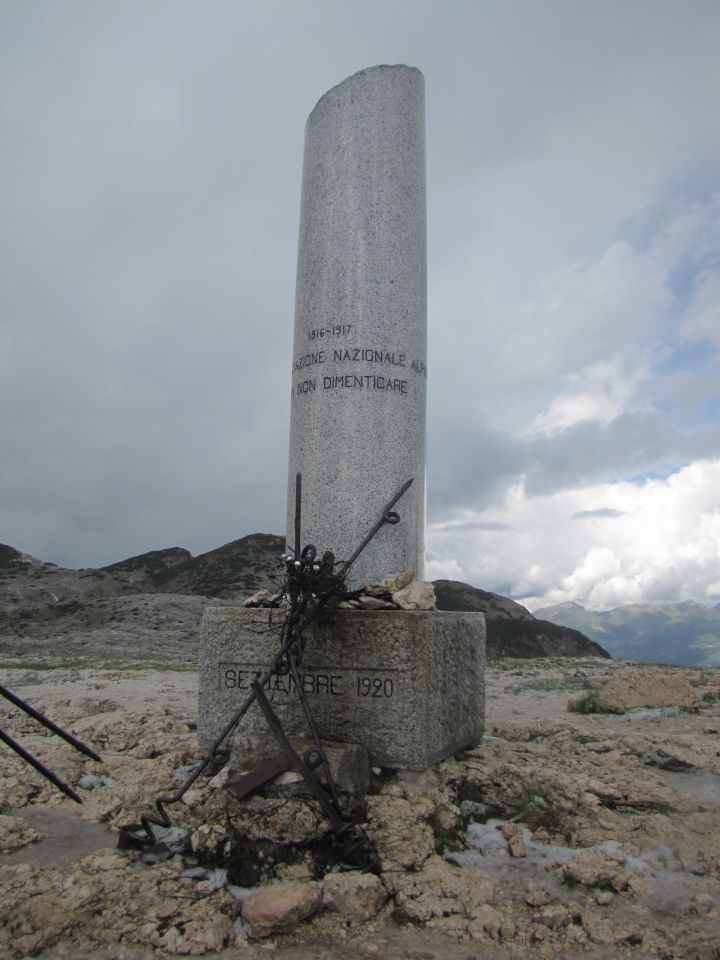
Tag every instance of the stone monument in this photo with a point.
(408, 685)
(357, 427)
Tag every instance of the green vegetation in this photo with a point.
(44, 664)
(532, 803)
(32, 672)
(587, 704)
(549, 684)
(446, 838)
(466, 753)
(148, 666)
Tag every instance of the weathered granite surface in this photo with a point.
(359, 373)
(406, 685)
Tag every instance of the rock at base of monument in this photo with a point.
(407, 685)
(349, 767)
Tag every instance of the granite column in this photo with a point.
(359, 359)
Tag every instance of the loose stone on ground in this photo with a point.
(357, 896)
(279, 908)
(621, 838)
(16, 833)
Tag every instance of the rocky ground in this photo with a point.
(148, 608)
(562, 834)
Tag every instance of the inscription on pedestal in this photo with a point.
(406, 684)
(354, 685)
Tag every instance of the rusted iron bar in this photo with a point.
(341, 827)
(41, 718)
(298, 512)
(388, 516)
(307, 584)
(163, 820)
(265, 771)
(40, 767)
(310, 719)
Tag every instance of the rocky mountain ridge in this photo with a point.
(149, 606)
(686, 632)
(511, 627)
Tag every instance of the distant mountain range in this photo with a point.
(150, 606)
(685, 633)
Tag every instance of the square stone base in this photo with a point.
(407, 685)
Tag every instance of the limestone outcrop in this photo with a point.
(651, 688)
(560, 834)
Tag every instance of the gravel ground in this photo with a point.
(590, 836)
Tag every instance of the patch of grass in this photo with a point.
(493, 659)
(36, 671)
(584, 704)
(548, 685)
(445, 838)
(539, 684)
(529, 801)
(466, 753)
(711, 696)
(152, 666)
(43, 664)
(29, 680)
(588, 703)
(532, 803)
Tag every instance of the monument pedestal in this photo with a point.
(407, 685)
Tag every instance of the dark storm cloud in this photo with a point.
(631, 444)
(469, 465)
(474, 474)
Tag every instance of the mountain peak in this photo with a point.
(512, 631)
(14, 560)
(152, 562)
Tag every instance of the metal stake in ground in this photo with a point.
(301, 581)
(58, 731)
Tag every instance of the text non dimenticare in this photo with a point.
(313, 382)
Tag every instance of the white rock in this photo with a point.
(417, 595)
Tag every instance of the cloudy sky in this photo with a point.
(149, 198)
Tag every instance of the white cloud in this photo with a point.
(600, 545)
(599, 394)
(444, 569)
